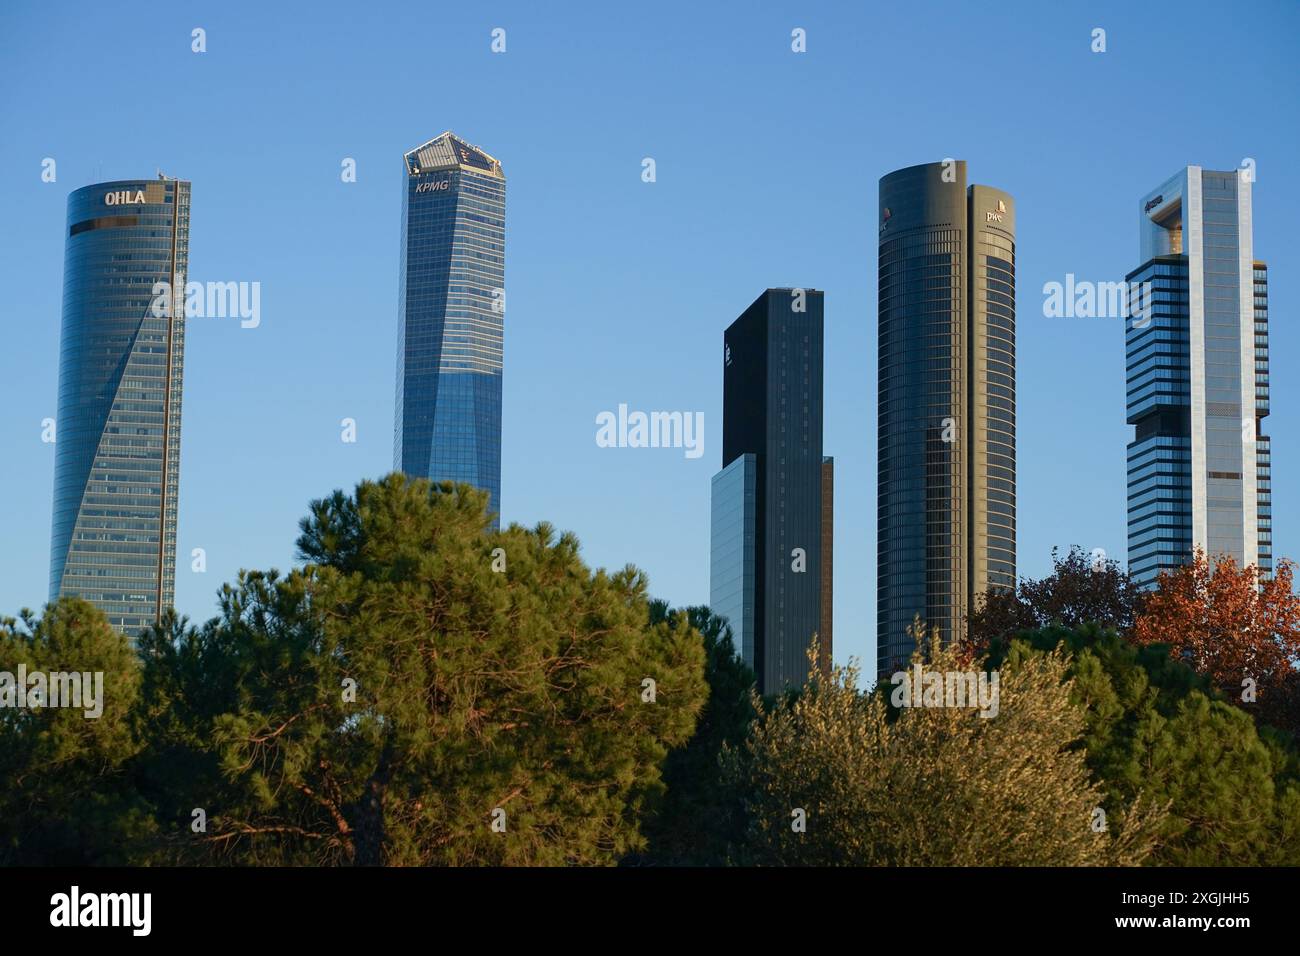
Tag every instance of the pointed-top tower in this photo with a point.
(451, 316)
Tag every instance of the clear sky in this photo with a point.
(618, 290)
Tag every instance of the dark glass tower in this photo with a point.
(770, 547)
(451, 310)
(118, 433)
(946, 485)
(1198, 379)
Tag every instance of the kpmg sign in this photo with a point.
(434, 186)
(124, 197)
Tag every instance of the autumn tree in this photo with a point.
(1240, 629)
(1082, 589)
(423, 690)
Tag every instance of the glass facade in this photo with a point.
(451, 310)
(1160, 406)
(992, 385)
(772, 414)
(117, 439)
(826, 636)
(946, 462)
(1263, 448)
(1199, 464)
(732, 555)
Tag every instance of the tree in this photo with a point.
(1241, 631)
(1158, 731)
(424, 691)
(697, 821)
(1081, 589)
(68, 796)
(833, 778)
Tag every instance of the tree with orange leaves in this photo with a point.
(1240, 630)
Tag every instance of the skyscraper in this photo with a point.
(451, 309)
(118, 431)
(946, 491)
(1198, 389)
(770, 521)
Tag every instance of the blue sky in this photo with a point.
(618, 290)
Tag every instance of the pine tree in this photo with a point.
(425, 690)
(698, 820)
(69, 795)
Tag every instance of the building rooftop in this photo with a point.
(449, 151)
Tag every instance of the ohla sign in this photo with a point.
(123, 197)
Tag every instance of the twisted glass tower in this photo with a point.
(946, 469)
(451, 310)
(118, 432)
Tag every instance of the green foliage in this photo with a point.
(699, 819)
(421, 671)
(67, 796)
(934, 785)
(1154, 727)
(475, 691)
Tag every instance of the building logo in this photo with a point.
(996, 216)
(1151, 204)
(1002, 207)
(433, 187)
(123, 197)
(727, 357)
(885, 217)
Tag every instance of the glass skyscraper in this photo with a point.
(733, 536)
(946, 479)
(451, 310)
(1198, 389)
(770, 519)
(118, 431)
